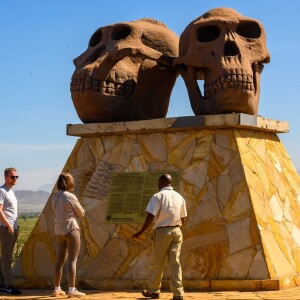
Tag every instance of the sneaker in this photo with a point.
(57, 293)
(150, 294)
(75, 294)
(178, 298)
(10, 291)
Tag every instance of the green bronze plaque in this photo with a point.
(130, 193)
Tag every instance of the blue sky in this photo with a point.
(40, 39)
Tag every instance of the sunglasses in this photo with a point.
(14, 177)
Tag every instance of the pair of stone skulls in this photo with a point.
(129, 69)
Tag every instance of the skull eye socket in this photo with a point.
(208, 33)
(96, 38)
(120, 32)
(249, 29)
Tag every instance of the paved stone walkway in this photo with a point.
(292, 294)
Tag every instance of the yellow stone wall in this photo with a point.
(274, 190)
(242, 194)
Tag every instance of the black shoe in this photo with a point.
(178, 298)
(150, 294)
(10, 291)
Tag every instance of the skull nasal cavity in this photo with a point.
(231, 49)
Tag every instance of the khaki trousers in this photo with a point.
(166, 244)
(7, 241)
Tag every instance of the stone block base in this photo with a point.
(189, 285)
(242, 193)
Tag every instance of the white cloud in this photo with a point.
(37, 164)
(9, 148)
(34, 179)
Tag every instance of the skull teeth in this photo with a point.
(243, 82)
(109, 88)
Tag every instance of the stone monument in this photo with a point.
(241, 188)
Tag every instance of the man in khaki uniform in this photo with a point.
(167, 209)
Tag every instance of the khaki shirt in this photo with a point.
(66, 207)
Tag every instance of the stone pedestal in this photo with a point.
(242, 193)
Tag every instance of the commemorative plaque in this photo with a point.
(130, 193)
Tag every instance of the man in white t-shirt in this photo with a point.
(167, 209)
(8, 230)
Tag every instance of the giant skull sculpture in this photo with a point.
(126, 72)
(227, 51)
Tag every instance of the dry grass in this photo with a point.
(26, 224)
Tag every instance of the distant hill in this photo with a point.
(31, 201)
(46, 187)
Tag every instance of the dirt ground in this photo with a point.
(293, 294)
